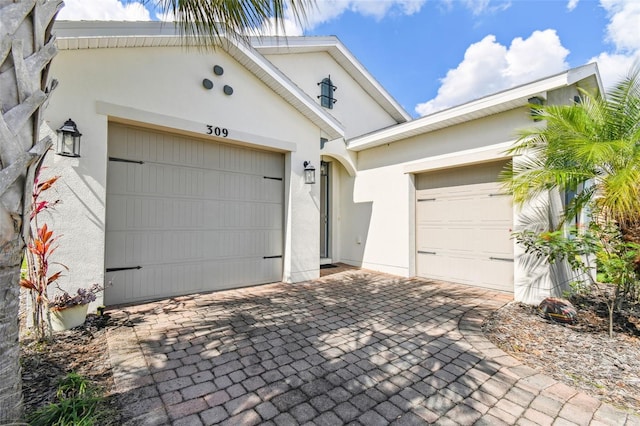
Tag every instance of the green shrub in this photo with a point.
(77, 403)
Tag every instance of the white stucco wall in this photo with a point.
(536, 278)
(162, 88)
(378, 231)
(355, 109)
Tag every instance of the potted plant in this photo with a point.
(70, 310)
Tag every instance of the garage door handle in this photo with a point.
(272, 257)
(126, 268)
(503, 259)
(499, 194)
(426, 199)
(426, 252)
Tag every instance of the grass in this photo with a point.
(77, 403)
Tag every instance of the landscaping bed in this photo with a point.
(582, 355)
(82, 350)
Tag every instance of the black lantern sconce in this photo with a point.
(309, 173)
(68, 139)
(534, 103)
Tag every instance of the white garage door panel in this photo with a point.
(467, 270)
(495, 241)
(463, 227)
(158, 281)
(195, 215)
(135, 248)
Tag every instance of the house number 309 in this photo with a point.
(218, 131)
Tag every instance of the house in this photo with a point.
(191, 174)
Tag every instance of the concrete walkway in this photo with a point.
(354, 347)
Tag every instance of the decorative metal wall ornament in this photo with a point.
(326, 93)
(208, 84)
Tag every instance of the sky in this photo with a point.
(435, 54)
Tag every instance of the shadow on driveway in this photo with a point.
(354, 347)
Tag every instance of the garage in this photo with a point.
(186, 215)
(463, 227)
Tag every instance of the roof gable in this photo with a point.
(343, 57)
(73, 35)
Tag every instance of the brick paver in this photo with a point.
(354, 347)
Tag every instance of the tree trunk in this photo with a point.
(26, 51)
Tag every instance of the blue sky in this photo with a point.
(434, 54)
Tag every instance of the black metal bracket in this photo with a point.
(126, 268)
(124, 160)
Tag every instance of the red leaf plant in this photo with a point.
(42, 244)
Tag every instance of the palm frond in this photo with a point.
(207, 21)
(595, 140)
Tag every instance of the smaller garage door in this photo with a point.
(464, 223)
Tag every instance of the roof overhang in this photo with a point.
(334, 47)
(586, 77)
(72, 35)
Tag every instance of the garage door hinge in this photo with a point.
(272, 178)
(272, 257)
(426, 252)
(504, 259)
(126, 268)
(426, 199)
(124, 160)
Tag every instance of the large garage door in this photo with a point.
(186, 215)
(464, 223)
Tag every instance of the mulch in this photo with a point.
(581, 355)
(82, 350)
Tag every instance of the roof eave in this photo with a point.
(479, 108)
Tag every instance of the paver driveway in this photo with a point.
(352, 348)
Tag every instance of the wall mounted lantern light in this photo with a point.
(68, 139)
(534, 103)
(309, 173)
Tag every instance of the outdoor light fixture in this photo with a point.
(309, 173)
(68, 139)
(535, 112)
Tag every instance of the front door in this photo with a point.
(324, 210)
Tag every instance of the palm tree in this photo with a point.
(27, 48)
(591, 148)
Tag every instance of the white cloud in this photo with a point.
(489, 67)
(623, 34)
(613, 67)
(624, 23)
(572, 5)
(103, 10)
(328, 10)
(479, 7)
